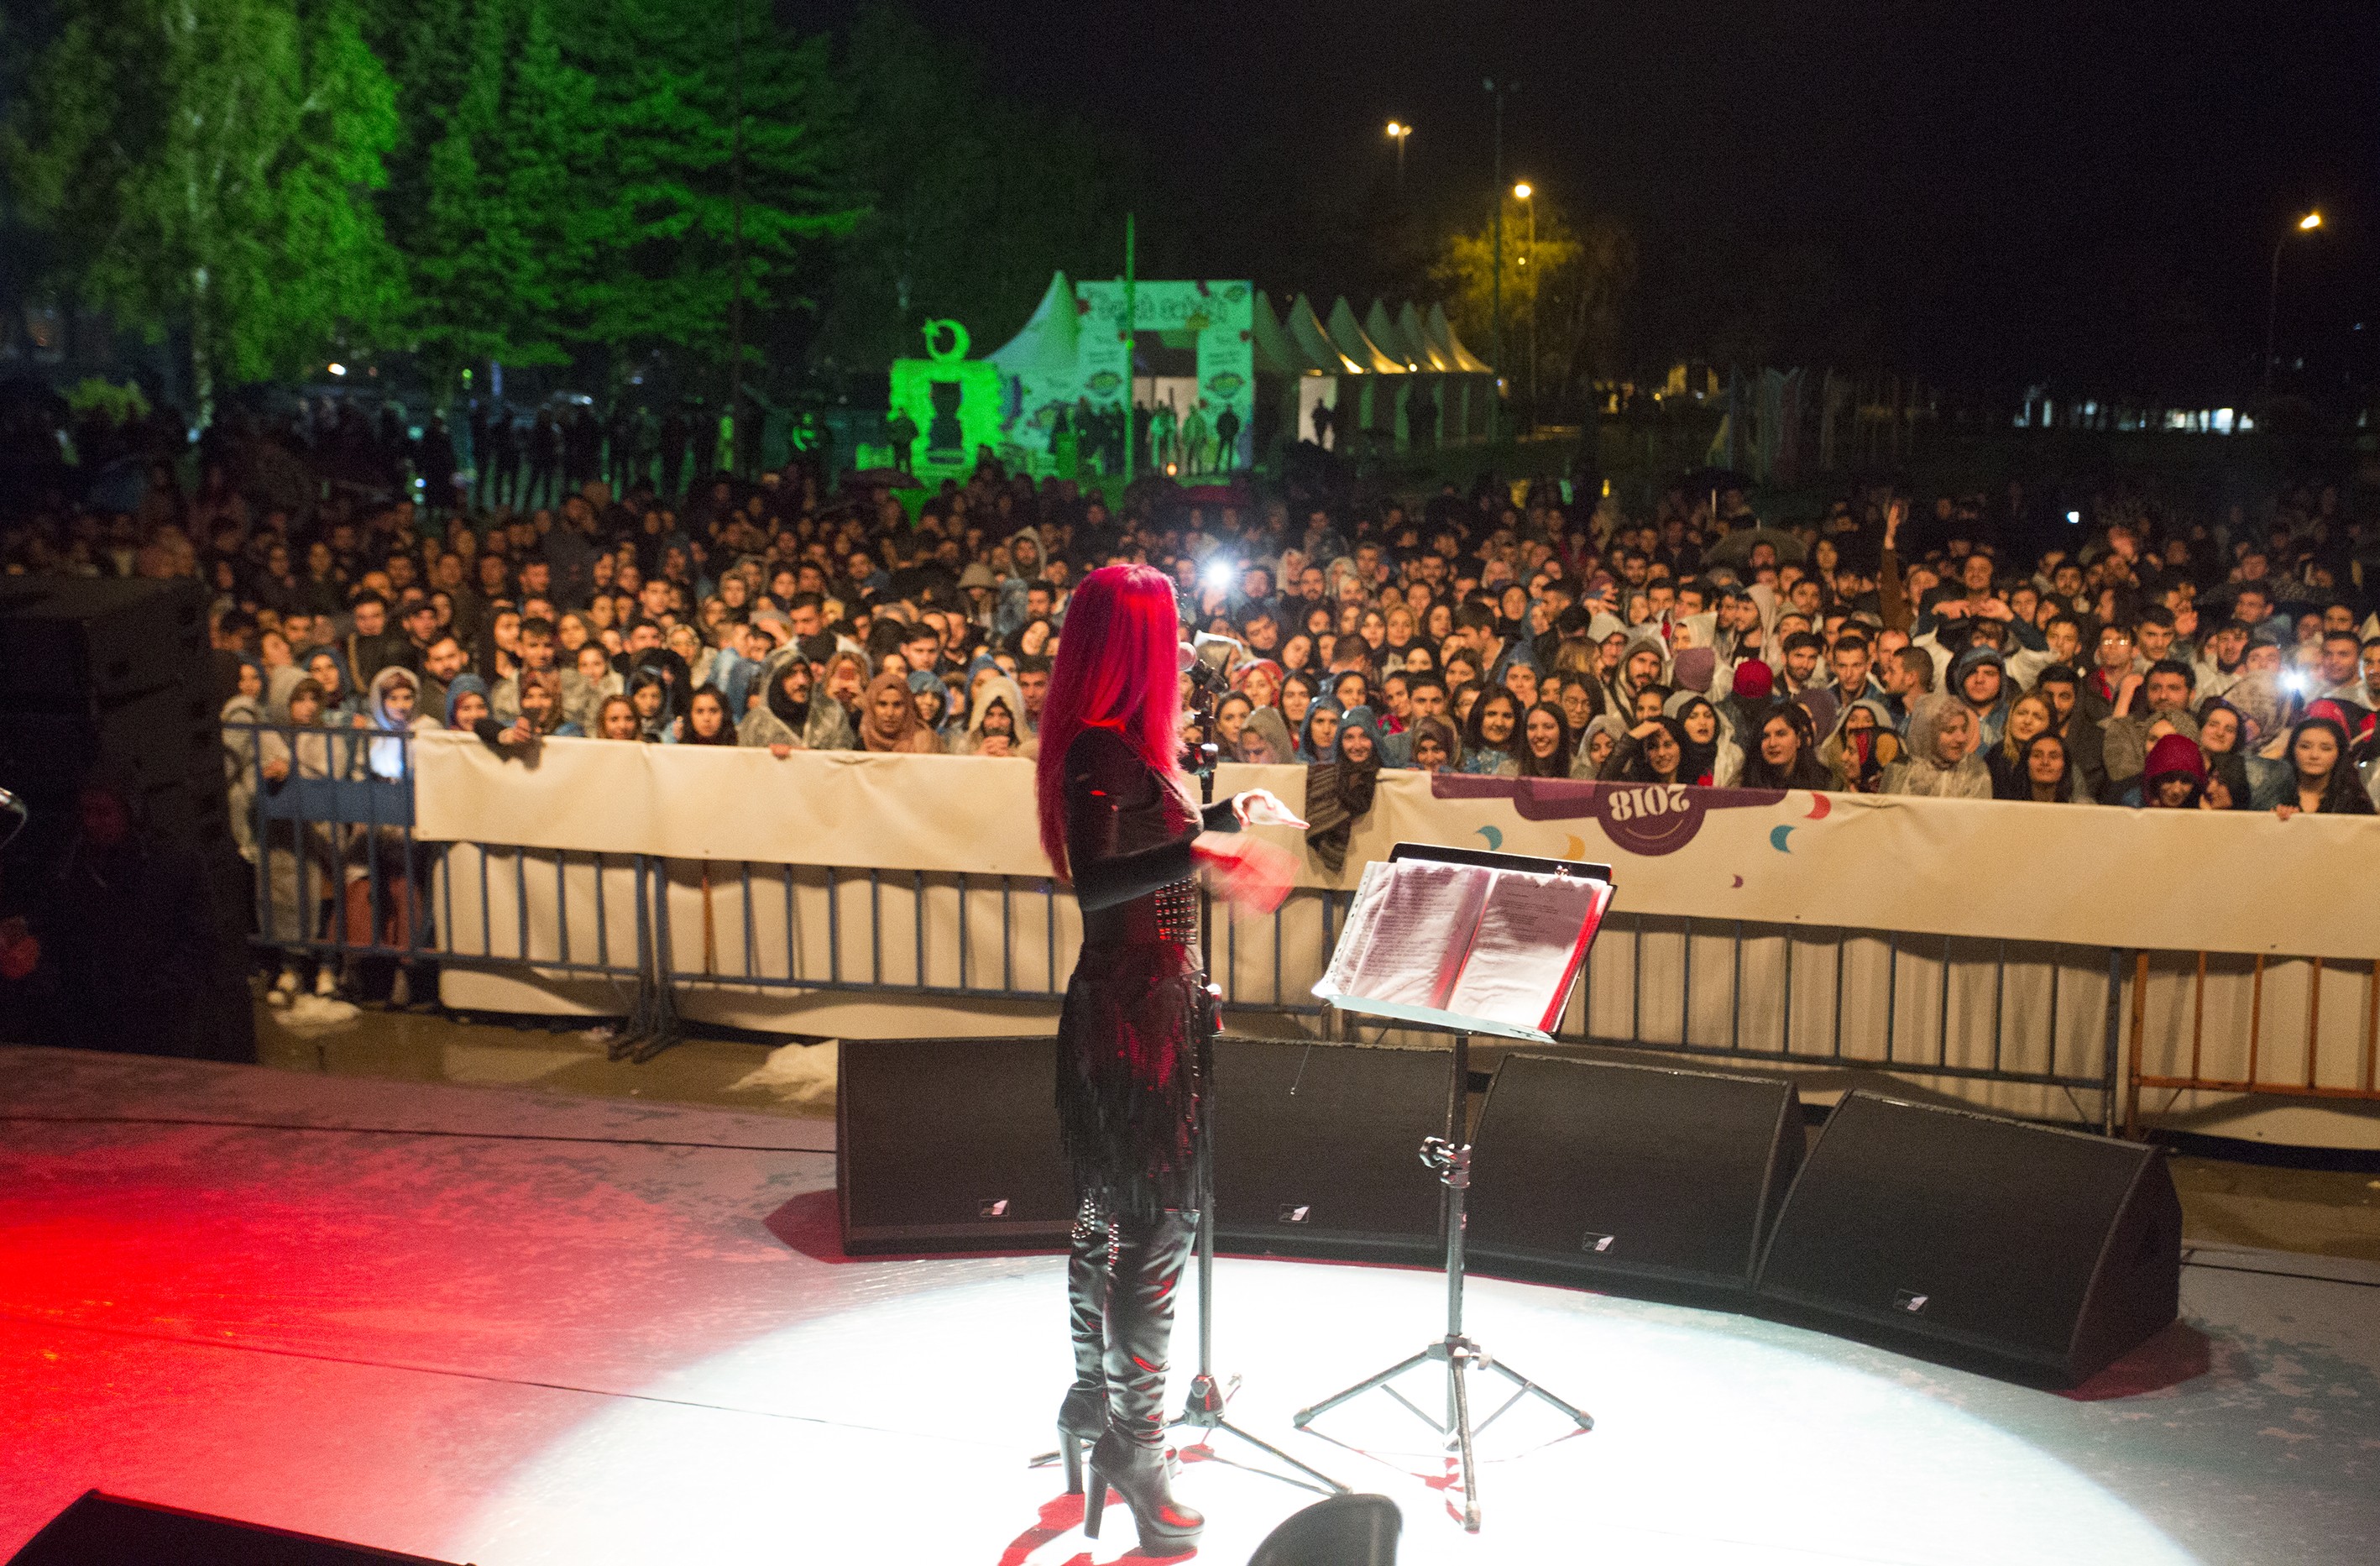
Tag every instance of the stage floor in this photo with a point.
(487, 1325)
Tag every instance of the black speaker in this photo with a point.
(102, 1530)
(1317, 1149)
(1597, 1171)
(98, 640)
(950, 1144)
(2045, 1251)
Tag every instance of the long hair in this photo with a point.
(1115, 670)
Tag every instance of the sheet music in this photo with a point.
(1419, 930)
(1348, 955)
(1520, 957)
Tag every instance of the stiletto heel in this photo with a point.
(1095, 1502)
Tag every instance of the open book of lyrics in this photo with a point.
(1463, 946)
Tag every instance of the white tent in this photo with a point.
(1040, 373)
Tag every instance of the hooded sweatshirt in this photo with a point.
(817, 724)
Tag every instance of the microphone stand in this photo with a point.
(1205, 1408)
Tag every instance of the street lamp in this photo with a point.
(1397, 133)
(1523, 193)
(2306, 225)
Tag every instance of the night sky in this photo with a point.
(1988, 193)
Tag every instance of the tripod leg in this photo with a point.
(1585, 1420)
(1360, 1387)
(1454, 1368)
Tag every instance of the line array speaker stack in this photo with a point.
(102, 1530)
(1590, 1171)
(2049, 1251)
(110, 674)
(113, 677)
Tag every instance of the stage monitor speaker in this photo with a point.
(1317, 1149)
(2045, 1251)
(1589, 1172)
(103, 1530)
(950, 1144)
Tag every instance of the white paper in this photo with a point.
(1348, 956)
(1415, 938)
(1519, 955)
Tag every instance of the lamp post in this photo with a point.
(1398, 131)
(1495, 276)
(2306, 225)
(1526, 198)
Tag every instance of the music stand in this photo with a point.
(1450, 1157)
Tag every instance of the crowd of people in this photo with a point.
(2148, 656)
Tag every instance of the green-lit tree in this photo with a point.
(709, 135)
(207, 165)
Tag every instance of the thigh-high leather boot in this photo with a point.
(1082, 1417)
(1143, 1279)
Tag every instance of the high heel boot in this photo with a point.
(1082, 1417)
(1146, 1265)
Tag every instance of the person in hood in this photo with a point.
(1340, 792)
(1712, 760)
(1862, 745)
(1643, 664)
(1979, 679)
(1263, 739)
(792, 715)
(996, 726)
(1941, 761)
(2175, 775)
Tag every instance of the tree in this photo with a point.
(973, 199)
(489, 220)
(206, 166)
(1569, 285)
(711, 134)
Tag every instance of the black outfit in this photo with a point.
(1133, 1048)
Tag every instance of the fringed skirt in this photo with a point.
(1133, 1047)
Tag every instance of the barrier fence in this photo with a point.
(2036, 1025)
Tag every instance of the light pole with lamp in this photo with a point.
(1526, 194)
(2306, 225)
(1496, 274)
(1398, 131)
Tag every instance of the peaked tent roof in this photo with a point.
(1046, 344)
(1306, 331)
(1382, 328)
(1349, 338)
(1465, 360)
(1275, 354)
(1432, 357)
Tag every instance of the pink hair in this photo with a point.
(1115, 670)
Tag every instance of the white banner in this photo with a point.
(2082, 875)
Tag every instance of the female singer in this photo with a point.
(1118, 817)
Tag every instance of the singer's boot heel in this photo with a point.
(1138, 1473)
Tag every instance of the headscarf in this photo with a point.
(1339, 791)
(1305, 751)
(1442, 732)
(1922, 771)
(1267, 725)
(922, 681)
(1699, 763)
(465, 684)
(908, 732)
(386, 756)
